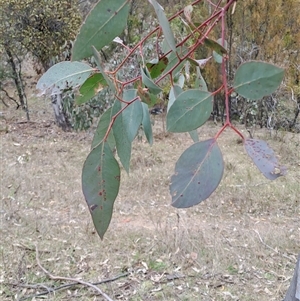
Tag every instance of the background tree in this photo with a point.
(269, 31)
(36, 27)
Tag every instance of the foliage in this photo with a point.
(269, 30)
(81, 117)
(39, 27)
(199, 170)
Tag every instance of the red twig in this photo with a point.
(117, 114)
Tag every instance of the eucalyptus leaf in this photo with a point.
(190, 110)
(173, 94)
(91, 87)
(121, 135)
(146, 122)
(165, 25)
(215, 46)
(153, 88)
(198, 173)
(218, 58)
(101, 69)
(254, 79)
(102, 128)
(64, 75)
(132, 116)
(106, 21)
(100, 185)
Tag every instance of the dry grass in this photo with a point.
(241, 244)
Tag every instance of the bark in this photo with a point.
(293, 293)
(17, 78)
(60, 118)
(297, 112)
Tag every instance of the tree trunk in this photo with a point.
(17, 77)
(60, 118)
(293, 293)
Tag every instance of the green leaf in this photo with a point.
(173, 94)
(91, 87)
(194, 135)
(146, 122)
(106, 21)
(123, 144)
(254, 80)
(147, 97)
(153, 88)
(102, 128)
(133, 114)
(190, 110)
(218, 58)
(165, 25)
(198, 173)
(100, 185)
(157, 68)
(63, 76)
(215, 46)
(101, 69)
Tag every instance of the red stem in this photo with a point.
(225, 83)
(116, 115)
(217, 15)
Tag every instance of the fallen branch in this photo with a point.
(74, 280)
(49, 290)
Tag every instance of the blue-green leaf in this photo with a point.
(63, 76)
(173, 94)
(199, 81)
(123, 144)
(100, 185)
(173, 60)
(153, 88)
(190, 110)
(102, 128)
(264, 158)
(194, 135)
(133, 114)
(198, 173)
(254, 80)
(146, 122)
(101, 69)
(106, 21)
(165, 25)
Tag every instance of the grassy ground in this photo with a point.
(240, 244)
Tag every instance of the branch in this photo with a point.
(76, 281)
(4, 103)
(49, 290)
(11, 98)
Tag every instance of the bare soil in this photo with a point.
(240, 244)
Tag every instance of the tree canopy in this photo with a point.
(39, 27)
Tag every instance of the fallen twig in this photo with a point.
(277, 252)
(49, 290)
(76, 281)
